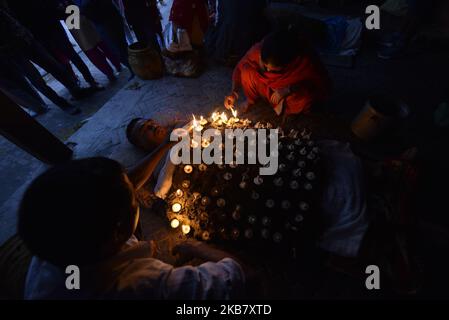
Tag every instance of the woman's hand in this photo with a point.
(230, 100)
(279, 95)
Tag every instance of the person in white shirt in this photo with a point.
(84, 213)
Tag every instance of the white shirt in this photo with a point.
(133, 274)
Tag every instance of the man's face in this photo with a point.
(149, 133)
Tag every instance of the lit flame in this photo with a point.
(234, 112)
(194, 144)
(203, 121)
(196, 125)
(215, 116)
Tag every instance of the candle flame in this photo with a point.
(185, 228)
(176, 207)
(215, 116)
(234, 112)
(203, 121)
(224, 117)
(174, 223)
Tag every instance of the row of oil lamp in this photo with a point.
(218, 120)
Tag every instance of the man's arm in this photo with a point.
(140, 173)
(196, 249)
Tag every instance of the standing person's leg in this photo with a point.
(67, 48)
(97, 57)
(36, 79)
(16, 86)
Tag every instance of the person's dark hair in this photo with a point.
(73, 212)
(129, 131)
(281, 47)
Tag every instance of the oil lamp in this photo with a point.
(185, 228)
(176, 207)
(304, 206)
(205, 143)
(174, 223)
(196, 125)
(194, 144)
(188, 169)
(203, 121)
(310, 175)
(277, 237)
(224, 117)
(234, 116)
(186, 184)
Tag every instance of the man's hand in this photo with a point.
(230, 100)
(279, 95)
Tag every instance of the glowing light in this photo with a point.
(203, 121)
(215, 116)
(194, 144)
(188, 169)
(185, 228)
(174, 223)
(196, 125)
(205, 143)
(179, 193)
(224, 117)
(176, 207)
(234, 118)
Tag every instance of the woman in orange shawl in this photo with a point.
(282, 71)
